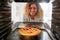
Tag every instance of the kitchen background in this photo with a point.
(17, 12)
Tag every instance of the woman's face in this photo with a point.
(33, 10)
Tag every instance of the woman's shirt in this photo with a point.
(30, 20)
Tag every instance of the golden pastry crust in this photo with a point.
(28, 31)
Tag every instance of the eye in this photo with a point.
(34, 8)
(30, 8)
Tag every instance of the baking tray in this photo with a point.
(43, 29)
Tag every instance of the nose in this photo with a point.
(32, 10)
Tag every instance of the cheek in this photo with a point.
(35, 10)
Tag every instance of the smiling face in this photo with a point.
(33, 9)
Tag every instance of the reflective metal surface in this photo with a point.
(45, 35)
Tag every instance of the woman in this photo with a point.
(33, 12)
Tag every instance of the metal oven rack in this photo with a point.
(56, 19)
(5, 20)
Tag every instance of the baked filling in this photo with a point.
(29, 31)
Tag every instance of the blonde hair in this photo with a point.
(39, 10)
